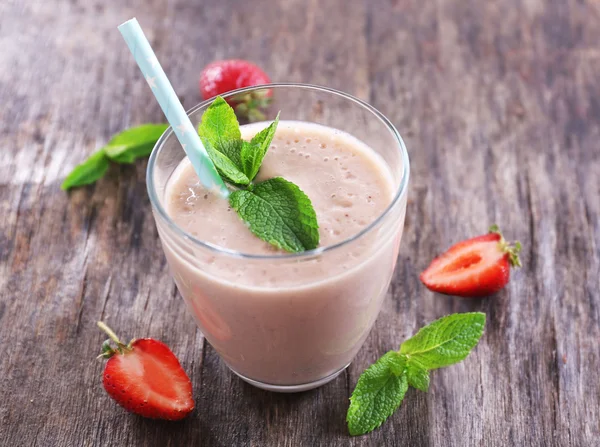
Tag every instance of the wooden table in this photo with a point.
(499, 104)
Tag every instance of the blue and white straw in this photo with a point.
(170, 105)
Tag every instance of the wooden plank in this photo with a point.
(94, 254)
(494, 99)
(498, 104)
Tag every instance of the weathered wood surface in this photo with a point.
(499, 103)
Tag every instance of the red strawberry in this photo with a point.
(473, 268)
(220, 77)
(146, 378)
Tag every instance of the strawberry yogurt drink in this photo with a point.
(290, 321)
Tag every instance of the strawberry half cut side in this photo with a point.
(473, 268)
(146, 378)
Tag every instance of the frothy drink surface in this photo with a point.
(348, 185)
(289, 322)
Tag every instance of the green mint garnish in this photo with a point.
(418, 377)
(125, 147)
(378, 393)
(134, 143)
(92, 169)
(220, 134)
(276, 210)
(445, 341)
(254, 151)
(226, 167)
(237, 161)
(220, 127)
(381, 387)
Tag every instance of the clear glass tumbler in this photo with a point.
(303, 326)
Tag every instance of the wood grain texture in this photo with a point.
(499, 104)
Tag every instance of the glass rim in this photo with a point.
(400, 191)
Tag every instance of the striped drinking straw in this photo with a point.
(170, 105)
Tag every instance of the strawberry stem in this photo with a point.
(107, 350)
(249, 105)
(110, 333)
(512, 249)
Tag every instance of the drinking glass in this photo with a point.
(293, 321)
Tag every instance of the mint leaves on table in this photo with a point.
(276, 210)
(125, 147)
(381, 387)
(134, 143)
(378, 393)
(445, 341)
(93, 168)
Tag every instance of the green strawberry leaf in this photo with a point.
(445, 341)
(378, 393)
(134, 143)
(253, 152)
(417, 376)
(93, 168)
(278, 212)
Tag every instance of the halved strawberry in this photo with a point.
(473, 268)
(146, 378)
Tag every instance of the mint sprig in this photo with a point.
(124, 148)
(236, 160)
(445, 341)
(381, 387)
(418, 377)
(220, 133)
(88, 172)
(378, 393)
(137, 142)
(253, 152)
(276, 210)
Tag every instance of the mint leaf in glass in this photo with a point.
(445, 341)
(220, 130)
(278, 212)
(378, 393)
(253, 152)
(134, 143)
(226, 167)
(93, 168)
(220, 133)
(381, 387)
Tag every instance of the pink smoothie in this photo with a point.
(289, 320)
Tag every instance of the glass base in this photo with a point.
(291, 388)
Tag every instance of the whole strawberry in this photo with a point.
(146, 378)
(473, 268)
(220, 77)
